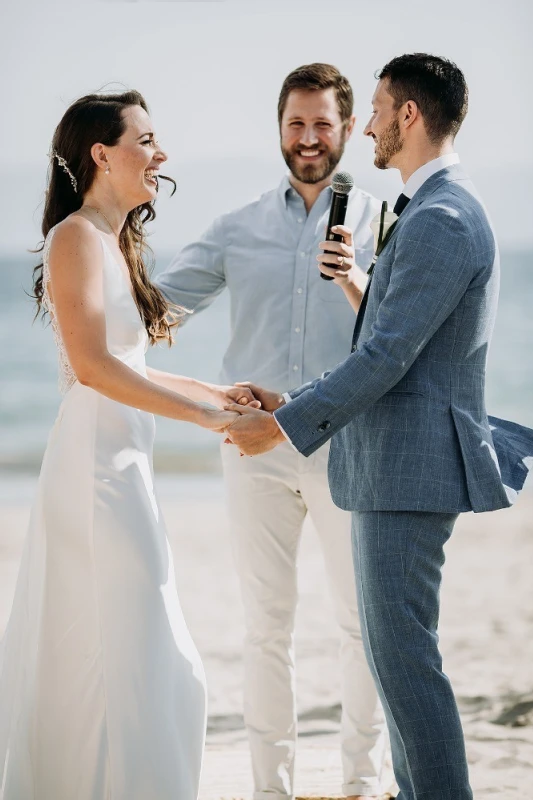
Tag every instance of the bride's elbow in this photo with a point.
(90, 373)
(85, 377)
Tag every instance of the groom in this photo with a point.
(412, 446)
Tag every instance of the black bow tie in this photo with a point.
(400, 204)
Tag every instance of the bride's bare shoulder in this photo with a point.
(75, 239)
(75, 233)
(75, 226)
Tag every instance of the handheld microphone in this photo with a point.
(342, 183)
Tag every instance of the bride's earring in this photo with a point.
(107, 170)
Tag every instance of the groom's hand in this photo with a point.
(338, 260)
(254, 432)
(270, 401)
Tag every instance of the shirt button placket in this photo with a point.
(299, 305)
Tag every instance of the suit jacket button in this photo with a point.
(354, 348)
(324, 426)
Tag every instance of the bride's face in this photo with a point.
(135, 160)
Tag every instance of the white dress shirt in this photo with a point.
(424, 172)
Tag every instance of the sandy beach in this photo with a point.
(486, 637)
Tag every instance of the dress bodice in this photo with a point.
(126, 335)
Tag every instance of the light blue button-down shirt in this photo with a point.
(288, 325)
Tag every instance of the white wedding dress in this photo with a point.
(102, 692)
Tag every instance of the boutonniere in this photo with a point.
(382, 226)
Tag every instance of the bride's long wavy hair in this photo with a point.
(91, 119)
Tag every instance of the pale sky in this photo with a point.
(211, 73)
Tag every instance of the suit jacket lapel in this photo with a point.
(360, 315)
(448, 174)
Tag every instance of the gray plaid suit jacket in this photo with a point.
(406, 408)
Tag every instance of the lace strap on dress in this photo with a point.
(67, 375)
(47, 303)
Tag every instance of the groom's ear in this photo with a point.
(409, 113)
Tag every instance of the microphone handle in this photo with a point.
(337, 215)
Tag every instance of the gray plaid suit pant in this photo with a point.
(398, 556)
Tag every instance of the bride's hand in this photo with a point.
(267, 400)
(221, 396)
(217, 421)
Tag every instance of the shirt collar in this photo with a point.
(286, 190)
(424, 172)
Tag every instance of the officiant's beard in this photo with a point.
(389, 144)
(313, 173)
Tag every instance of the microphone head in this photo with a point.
(342, 183)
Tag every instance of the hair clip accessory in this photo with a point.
(62, 163)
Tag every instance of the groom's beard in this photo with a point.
(317, 172)
(389, 144)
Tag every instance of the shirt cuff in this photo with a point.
(286, 396)
(285, 435)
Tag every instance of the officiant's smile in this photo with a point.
(314, 131)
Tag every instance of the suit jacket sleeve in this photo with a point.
(196, 275)
(431, 272)
(294, 393)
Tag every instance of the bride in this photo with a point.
(102, 692)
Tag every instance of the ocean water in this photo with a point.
(28, 369)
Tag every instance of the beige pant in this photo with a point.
(268, 498)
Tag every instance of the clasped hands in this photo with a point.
(255, 430)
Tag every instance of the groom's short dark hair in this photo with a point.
(436, 85)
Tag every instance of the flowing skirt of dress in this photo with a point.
(102, 692)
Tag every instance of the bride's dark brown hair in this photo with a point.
(91, 119)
